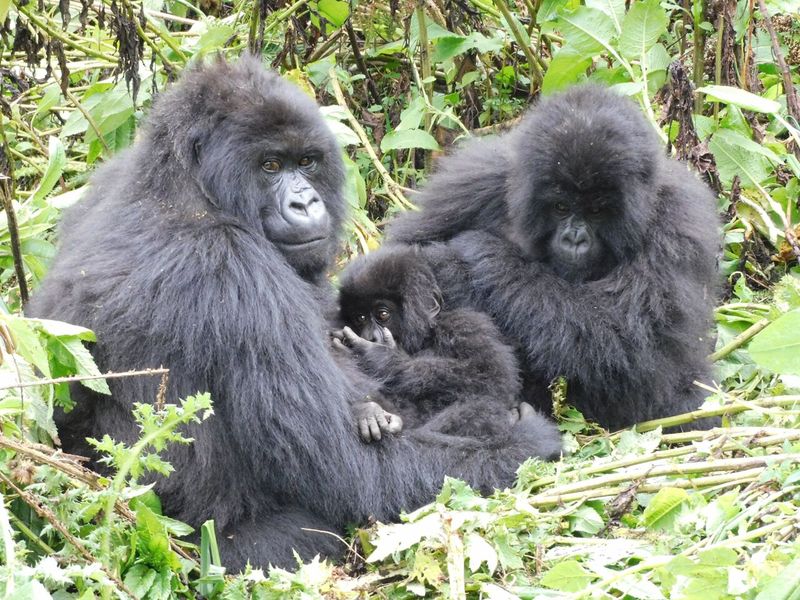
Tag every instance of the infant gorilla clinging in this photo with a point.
(447, 370)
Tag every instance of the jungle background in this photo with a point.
(633, 514)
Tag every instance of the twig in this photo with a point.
(88, 118)
(534, 61)
(739, 340)
(426, 86)
(373, 89)
(75, 378)
(792, 104)
(46, 514)
(7, 193)
(393, 189)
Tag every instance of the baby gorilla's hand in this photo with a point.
(373, 420)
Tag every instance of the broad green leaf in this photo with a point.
(737, 155)
(84, 363)
(586, 520)
(27, 343)
(613, 8)
(61, 329)
(587, 31)
(785, 585)
(645, 22)
(567, 576)
(56, 161)
(139, 579)
(478, 551)
(4, 6)
(741, 98)
(664, 507)
(565, 69)
(658, 59)
(412, 138)
(777, 347)
(334, 11)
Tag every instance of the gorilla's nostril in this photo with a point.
(298, 207)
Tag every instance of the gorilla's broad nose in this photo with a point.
(304, 208)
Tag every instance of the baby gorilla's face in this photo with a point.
(369, 317)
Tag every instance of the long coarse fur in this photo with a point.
(631, 338)
(166, 259)
(450, 365)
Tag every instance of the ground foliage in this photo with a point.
(634, 514)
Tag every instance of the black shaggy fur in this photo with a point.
(168, 260)
(629, 331)
(449, 367)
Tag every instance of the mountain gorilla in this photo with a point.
(592, 251)
(444, 369)
(203, 248)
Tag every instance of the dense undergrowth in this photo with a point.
(645, 515)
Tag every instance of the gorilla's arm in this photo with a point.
(467, 192)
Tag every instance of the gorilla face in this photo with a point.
(394, 290)
(268, 160)
(580, 189)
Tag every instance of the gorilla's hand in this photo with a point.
(376, 359)
(373, 421)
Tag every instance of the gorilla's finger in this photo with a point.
(338, 345)
(388, 338)
(336, 334)
(513, 415)
(380, 419)
(354, 340)
(366, 430)
(374, 429)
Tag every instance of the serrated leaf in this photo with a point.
(410, 138)
(84, 364)
(645, 22)
(139, 579)
(741, 98)
(587, 31)
(56, 161)
(737, 155)
(664, 507)
(613, 8)
(568, 576)
(777, 347)
(27, 343)
(479, 551)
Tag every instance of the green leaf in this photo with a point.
(27, 344)
(586, 520)
(56, 161)
(567, 576)
(84, 363)
(613, 8)
(412, 138)
(665, 506)
(777, 347)
(4, 6)
(566, 68)
(334, 11)
(737, 155)
(741, 98)
(61, 329)
(478, 551)
(588, 31)
(645, 22)
(785, 585)
(139, 579)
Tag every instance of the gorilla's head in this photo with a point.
(581, 191)
(392, 288)
(260, 153)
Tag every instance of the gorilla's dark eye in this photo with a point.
(361, 318)
(596, 209)
(561, 208)
(382, 315)
(306, 161)
(271, 166)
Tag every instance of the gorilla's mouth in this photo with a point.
(295, 244)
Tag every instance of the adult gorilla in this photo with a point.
(595, 254)
(203, 249)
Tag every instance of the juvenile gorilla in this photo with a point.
(204, 248)
(592, 251)
(445, 369)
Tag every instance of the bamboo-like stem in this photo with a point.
(393, 189)
(537, 75)
(739, 340)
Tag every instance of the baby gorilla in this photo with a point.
(447, 370)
